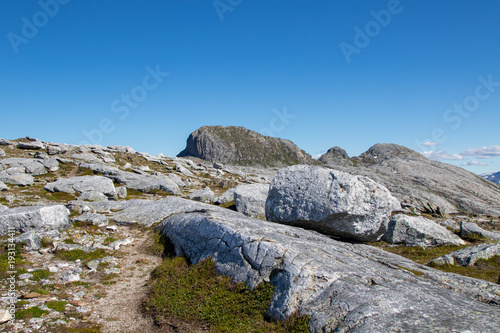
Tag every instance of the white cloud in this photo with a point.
(482, 153)
(441, 155)
(474, 163)
(430, 144)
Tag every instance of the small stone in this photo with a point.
(77, 302)
(32, 295)
(53, 269)
(82, 309)
(25, 276)
(5, 316)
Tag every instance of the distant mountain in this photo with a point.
(492, 176)
(429, 186)
(238, 145)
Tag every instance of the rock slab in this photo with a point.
(344, 287)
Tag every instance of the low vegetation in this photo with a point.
(483, 269)
(196, 296)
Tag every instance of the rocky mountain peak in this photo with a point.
(238, 145)
(384, 151)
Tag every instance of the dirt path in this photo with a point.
(120, 309)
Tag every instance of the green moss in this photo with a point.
(197, 294)
(59, 306)
(81, 327)
(82, 255)
(33, 312)
(41, 274)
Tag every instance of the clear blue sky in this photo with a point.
(338, 73)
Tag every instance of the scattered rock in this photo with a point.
(469, 255)
(32, 295)
(226, 197)
(451, 224)
(419, 231)
(87, 157)
(121, 191)
(99, 220)
(84, 184)
(145, 183)
(21, 219)
(122, 149)
(204, 195)
(218, 166)
(2, 153)
(330, 201)
(3, 208)
(34, 145)
(12, 177)
(116, 244)
(468, 229)
(251, 199)
(72, 276)
(92, 196)
(33, 239)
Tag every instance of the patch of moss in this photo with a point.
(416, 253)
(59, 306)
(198, 294)
(81, 327)
(73, 255)
(41, 274)
(33, 312)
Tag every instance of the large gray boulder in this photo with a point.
(468, 229)
(3, 208)
(331, 202)
(22, 219)
(419, 231)
(239, 145)
(469, 255)
(419, 182)
(251, 199)
(344, 287)
(84, 184)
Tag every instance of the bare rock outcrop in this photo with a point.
(239, 145)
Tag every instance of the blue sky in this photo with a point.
(424, 74)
